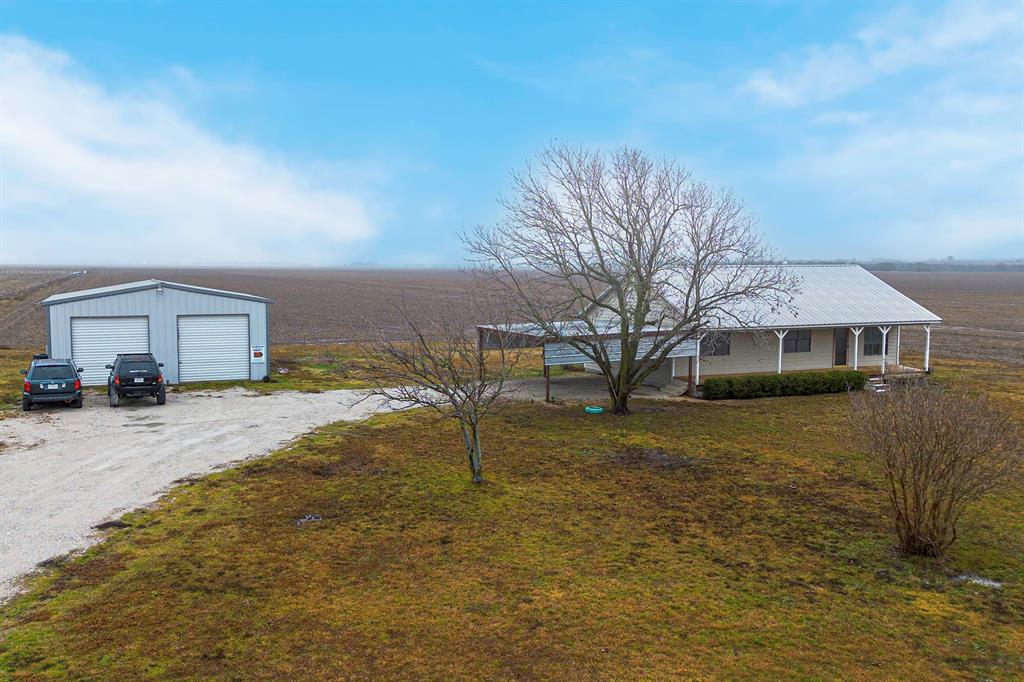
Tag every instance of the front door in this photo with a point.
(840, 335)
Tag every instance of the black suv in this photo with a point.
(51, 381)
(134, 375)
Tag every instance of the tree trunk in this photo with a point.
(478, 470)
(472, 442)
(620, 403)
(619, 390)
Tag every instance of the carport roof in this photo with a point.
(100, 292)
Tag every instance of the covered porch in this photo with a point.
(873, 349)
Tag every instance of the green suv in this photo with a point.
(51, 381)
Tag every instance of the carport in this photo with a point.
(200, 334)
(562, 348)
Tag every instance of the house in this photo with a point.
(840, 316)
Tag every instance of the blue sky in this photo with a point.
(333, 134)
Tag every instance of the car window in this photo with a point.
(140, 369)
(51, 372)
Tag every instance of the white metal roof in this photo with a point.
(826, 296)
(142, 285)
(844, 296)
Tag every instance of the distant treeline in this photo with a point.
(949, 265)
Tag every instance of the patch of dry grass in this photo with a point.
(11, 381)
(688, 539)
(311, 368)
(325, 367)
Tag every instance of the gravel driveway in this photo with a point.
(63, 471)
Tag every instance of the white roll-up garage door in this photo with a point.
(213, 347)
(96, 341)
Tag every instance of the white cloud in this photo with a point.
(936, 166)
(128, 177)
(846, 118)
(927, 191)
(894, 43)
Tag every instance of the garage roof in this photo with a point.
(100, 292)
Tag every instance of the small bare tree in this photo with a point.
(437, 364)
(941, 449)
(624, 258)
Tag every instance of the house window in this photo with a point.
(716, 345)
(797, 341)
(873, 342)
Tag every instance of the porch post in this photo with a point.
(696, 378)
(927, 346)
(898, 347)
(547, 384)
(856, 343)
(885, 344)
(781, 335)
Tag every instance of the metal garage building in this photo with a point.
(199, 334)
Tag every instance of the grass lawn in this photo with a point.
(727, 540)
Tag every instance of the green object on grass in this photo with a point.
(593, 409)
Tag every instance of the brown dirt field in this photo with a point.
(311, 306)
(983, 311)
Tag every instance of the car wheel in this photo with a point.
(26, 404)
(113, 398)
(161, 397)
(77, 403)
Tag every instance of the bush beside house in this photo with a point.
(796, 383)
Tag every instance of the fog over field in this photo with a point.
(983, 311)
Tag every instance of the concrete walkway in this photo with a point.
(585, 387)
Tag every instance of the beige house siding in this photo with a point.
(752, 353)
(872, 362)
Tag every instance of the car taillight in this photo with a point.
(28, 386)
(78, 384)
(117, 381)
(159, 378)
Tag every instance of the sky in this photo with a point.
(334, 134)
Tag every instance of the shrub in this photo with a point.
(795, 383)
(941, 449)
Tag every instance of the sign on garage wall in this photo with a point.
(257, 355)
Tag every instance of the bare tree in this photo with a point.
(941, 449)
(624, 258)
(437, 364)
